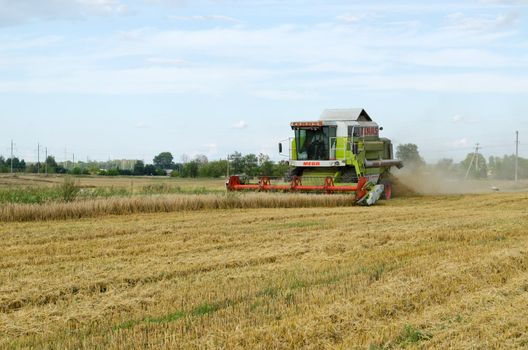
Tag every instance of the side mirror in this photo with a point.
(280, 147)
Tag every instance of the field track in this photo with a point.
(426, 272)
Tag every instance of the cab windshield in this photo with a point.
(314, 143)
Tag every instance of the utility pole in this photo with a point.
(475, 157)
(38, 158)
(516, 156)
(73, 160)
(11, 157)
(46, 161)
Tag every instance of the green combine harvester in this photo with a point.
(341, 152)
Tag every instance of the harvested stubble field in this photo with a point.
(426, 272)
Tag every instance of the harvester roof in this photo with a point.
(348, 114)
(332, 117)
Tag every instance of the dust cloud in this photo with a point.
(411, 182)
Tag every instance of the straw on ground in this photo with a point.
(431, 272)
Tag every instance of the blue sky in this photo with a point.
(128, 79)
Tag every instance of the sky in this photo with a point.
(116, 79)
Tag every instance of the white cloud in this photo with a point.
(382, 63)
(273, 94)
(165, 61)
(17, 43)
(19, 11)
(506, 2)
(457, 118)
(101, 6)
(282, 62)
(206, 18)
(141, 125)
(463, 58)
(143, 80)
(431, 82)
(351, 18)
(240, 125)
(462, 143)
(483, 23)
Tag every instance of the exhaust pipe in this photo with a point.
(384, 163)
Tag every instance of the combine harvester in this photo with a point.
(342, 151)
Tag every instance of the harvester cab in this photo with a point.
(341, 152)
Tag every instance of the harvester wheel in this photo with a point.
(387, 191)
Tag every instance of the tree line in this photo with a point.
(163, 164)
(236, 163)
(474, 166)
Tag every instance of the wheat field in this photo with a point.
(426, 272)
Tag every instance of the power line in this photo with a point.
(475, 156)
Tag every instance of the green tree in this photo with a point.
(150, 170)
(190, 169)
(18, 165)
(111, 172)
(51, 164)
(139, 168)
(250, 164)
(476, 163)
(236, 163)
(265, 165)
(201, 159)
(4, 168)
(217, 168)
(266, 168)
(281, 168)
(409, 155)
(163, 160)
(446, 166)
(31, 168)
(504, 168)
(61, 170)
(83, 171)
(263, 158)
